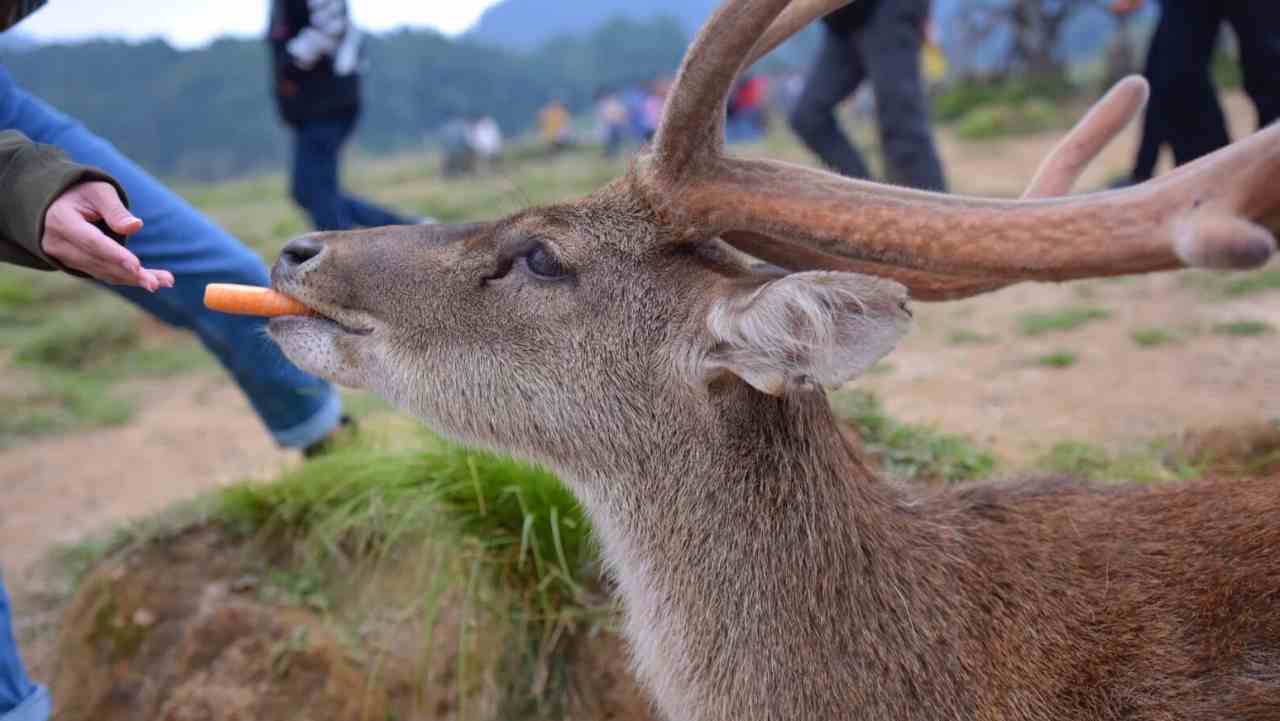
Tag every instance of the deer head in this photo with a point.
(621, 340)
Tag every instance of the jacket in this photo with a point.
(32, 176)
(315, 52)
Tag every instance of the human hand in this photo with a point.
(71, 238)
(1124, 7)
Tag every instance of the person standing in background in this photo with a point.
(316, 53)
(879, 40)
(1184, 111)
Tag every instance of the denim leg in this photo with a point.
(1197, 126)
(1257, 26)
(890, 48)
(298, 408)
(314, 185)
(367, 215)
(1155, 121)
(836, 73)
(20, 700)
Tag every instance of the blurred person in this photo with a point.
(746, 119)
(556, 126)
(880, 41)
(486, 139)
(1184, 111)
(316, 54)
(654, 102)
(611, 120)
(459, 157)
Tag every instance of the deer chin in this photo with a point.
(334, 343)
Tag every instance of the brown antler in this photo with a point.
(1057, 174)
(1206, 214)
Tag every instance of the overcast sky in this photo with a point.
(194, 22)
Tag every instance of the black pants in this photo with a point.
(1184, 110)
(887, 51)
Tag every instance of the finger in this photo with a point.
(104, 200)
(92, 241)
(164, 277)
(77, 258)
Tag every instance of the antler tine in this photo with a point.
(693, 118)
(1108, 117)
(792, 20)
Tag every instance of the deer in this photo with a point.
(665, 345)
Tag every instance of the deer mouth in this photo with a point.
(323, 317)
(316, 322)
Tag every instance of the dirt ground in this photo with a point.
(196, 432)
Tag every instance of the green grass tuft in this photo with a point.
(1256, 282)
(1152, 337)
(80, 341)
(57, 402)
(1244, 328)
(1058, 359)
(968, 337)
(911, 451)
(1036, 324)
(1153, 463)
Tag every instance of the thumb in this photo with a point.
(104, 199)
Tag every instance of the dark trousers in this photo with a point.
(1184, 111)
(315, 180)
(887, 52)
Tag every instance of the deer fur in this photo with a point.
(767, 573)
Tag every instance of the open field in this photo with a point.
(110, 417)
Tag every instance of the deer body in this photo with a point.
(767, 574)
(774, 589)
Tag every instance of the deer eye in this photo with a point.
(542, 263)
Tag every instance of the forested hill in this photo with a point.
(207, 113)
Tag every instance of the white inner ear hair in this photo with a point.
(807, 329)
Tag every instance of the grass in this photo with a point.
(520, 548)
(1231, 286)
(1243, 328)
(1040, 323)
(1152, 463)
(968, 337)
(910, 451)
(1058, 359)
(1152, 337)
(79, 342)
(56, 402)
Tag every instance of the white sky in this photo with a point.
(188, 23)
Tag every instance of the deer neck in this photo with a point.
(766, 539)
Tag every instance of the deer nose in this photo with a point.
(300, 250)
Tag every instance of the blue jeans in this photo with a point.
(315, 187)
(20, 700)
(297, 408)
(885, 51)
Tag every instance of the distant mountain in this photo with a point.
(527, 24)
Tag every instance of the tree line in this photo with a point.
(208, 113)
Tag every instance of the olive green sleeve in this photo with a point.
(32, 176)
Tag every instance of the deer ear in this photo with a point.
(805, 330)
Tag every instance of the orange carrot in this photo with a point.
(251, 300)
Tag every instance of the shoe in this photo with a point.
(338, 437)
